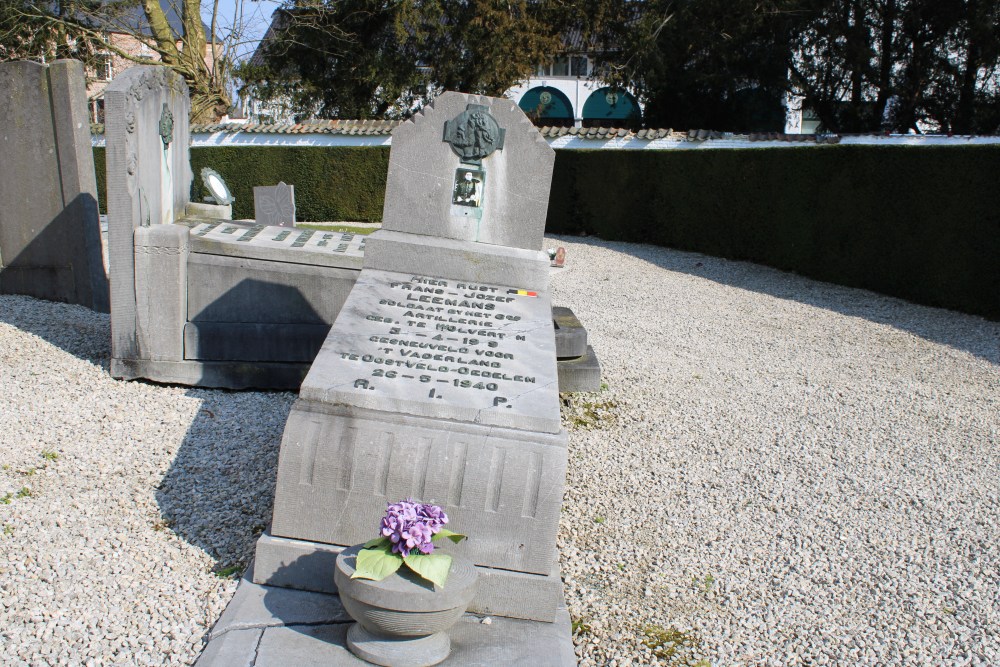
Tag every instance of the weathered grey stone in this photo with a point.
(423, 169)
(339, 465)
(571, 337)
(148, 182)
(237, 648)
(299, 246)
(274, 204)
(441, 348)
(580, 374)
(161, 261)
(222, 374)
(254, 341)
(459, 260)
(211, 211)
(284, 633)
(306, 646)
(269, 606)
(408, 652)
(50, 237)
(292, 563)
(232, 289)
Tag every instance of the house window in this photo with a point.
(564, 66)
(103, 67)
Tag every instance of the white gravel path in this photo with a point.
(779, 472)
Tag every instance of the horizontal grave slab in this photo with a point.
(447, 349)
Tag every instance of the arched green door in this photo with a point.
(547, 106)
(611, 107)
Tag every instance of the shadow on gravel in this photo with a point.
(219, 490)
(75, 329)
(969, 333)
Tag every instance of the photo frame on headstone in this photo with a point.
(468, 190)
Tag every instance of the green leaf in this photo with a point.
(432, 567)
(444, 532)
(377, 542)
(376, 564)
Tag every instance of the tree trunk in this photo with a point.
(964, 115)
(886, 56)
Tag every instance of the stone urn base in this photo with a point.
(402, 621)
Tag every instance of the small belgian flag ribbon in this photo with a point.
(521, 292)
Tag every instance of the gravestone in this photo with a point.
(149, 182)
(274, 204)
(50, 235)
(438, 378)
(196, 298)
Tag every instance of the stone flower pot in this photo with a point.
(402, 621)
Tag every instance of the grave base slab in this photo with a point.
(220, 374)
(265, 626)
(580, 374)
(309, 566)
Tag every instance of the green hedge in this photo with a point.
(331, 184)
(921, 223)
(100, 169)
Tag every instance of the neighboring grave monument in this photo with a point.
(438, 379)
(274, 204)
(195, 299)
(50, 235)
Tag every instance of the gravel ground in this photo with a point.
(779, 471)
(125, 506)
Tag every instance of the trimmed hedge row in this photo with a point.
(340, 183)
(331, 184)
(921, 223)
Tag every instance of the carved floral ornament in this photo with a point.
(156, 78)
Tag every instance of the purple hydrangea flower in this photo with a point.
(411, 526)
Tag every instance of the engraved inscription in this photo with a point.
(272, 236)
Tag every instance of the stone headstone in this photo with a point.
(50, 236)
(149, 182)
(438, 379)
(274, 204)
